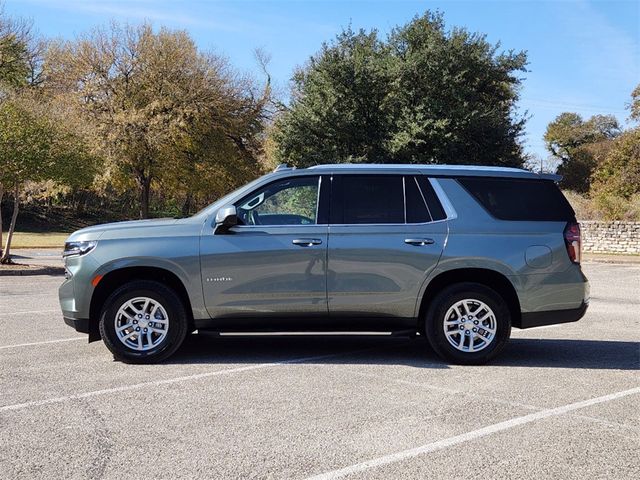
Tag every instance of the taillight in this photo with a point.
(573, 241)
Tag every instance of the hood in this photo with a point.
(131, 229)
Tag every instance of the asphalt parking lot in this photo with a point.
(560, 402)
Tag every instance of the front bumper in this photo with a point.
(551, 317)
(78, 324)
(75, 295)
(85, 325)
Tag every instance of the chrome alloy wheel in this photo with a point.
(141, 324)
(470, 325)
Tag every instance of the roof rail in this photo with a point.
(283, 166)
(551, 176)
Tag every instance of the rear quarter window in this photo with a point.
(416, 207)
(435, 207)
(520, 199)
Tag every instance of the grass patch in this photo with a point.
(37, 240)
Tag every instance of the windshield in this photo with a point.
(222, 201)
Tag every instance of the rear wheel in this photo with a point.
(143, 322)
(468, 323)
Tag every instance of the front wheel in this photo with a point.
(143, 322)
(468, 323)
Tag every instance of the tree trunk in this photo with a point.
(1, 195)
(186, 206)
(6, 257)
(144, 191)
(80, 205)
(144, 198)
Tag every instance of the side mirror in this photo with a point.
(226, 218)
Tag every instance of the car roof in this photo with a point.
(437, 170)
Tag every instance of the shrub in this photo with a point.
(604, 206)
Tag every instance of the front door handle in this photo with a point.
(306, 242)
(419, 242)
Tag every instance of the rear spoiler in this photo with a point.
(550, 176)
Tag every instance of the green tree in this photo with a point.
(422, 95)
(455, 100)
(339, 109)
(153, 99)
(580, 145)
(19, 69)
(617, 179)
(35, 146)
(615, 183)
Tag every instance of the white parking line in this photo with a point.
(2, 347)
(2, 314)
(169, 381)
(466, 437)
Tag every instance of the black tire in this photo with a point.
(167, 298)
(444, 300)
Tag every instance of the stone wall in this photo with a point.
(610, 237)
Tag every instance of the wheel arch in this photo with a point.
(484, 276)
(115, 278)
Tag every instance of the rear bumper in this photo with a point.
(551, 317)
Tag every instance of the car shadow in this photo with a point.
(306, 349)
(386, 350)
(571, 353)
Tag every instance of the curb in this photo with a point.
(34, 271)
(611, 258)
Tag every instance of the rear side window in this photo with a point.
(370, 199)
(520, 199)
(383, 199)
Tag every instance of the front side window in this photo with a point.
(293, 201)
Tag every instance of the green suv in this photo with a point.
(455, 253)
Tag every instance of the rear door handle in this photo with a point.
(306, 242)
(419, 242)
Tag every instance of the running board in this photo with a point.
(396, 333)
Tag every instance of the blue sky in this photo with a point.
(584, 55)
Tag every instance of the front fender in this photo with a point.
(179, 255)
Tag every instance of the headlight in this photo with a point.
(78, 248)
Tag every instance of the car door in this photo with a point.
(383, 241)
(274, 262)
